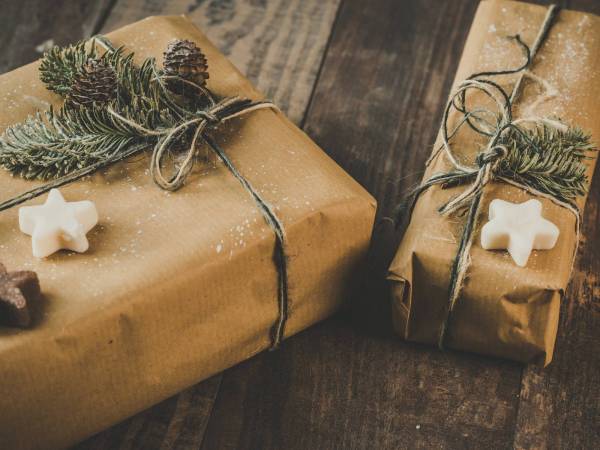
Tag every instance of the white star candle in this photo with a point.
(58, 224)
(518, 228)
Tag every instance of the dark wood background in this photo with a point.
(341, 69)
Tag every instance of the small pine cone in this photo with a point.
(96, 82)
(184, 59)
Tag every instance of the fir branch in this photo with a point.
(59, 66)
(53, 144)
(547, 159)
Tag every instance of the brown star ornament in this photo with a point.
(17, 289)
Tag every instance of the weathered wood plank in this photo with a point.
(349, 382)
(26, 25)
(278, 44)
(337, 386)
(178, 422)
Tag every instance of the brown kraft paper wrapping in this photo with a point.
(176, 286)
(503, 310)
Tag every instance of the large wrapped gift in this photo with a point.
(176, 286)
(500, 308)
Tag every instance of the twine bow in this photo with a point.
(494, 161)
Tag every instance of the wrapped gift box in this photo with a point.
(503, 310)
(176, 286)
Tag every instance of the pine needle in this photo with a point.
(60, 65)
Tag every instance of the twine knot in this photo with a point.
(202, 121)
(492, 157)
(210, 118)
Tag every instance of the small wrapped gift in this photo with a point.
(175, 286)
(520, 126)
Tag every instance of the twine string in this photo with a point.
(279, 254)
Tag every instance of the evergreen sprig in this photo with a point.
(548, 159)
(57, 142)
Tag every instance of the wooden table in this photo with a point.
(342, 69)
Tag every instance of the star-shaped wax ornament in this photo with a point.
(58, 224)
(17, 289)
(518, 228)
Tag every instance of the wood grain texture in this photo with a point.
(339, 387)
(178, 422)
(277, 44)
(27, 24)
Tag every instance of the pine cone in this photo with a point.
(96, 82)
(184, 59)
